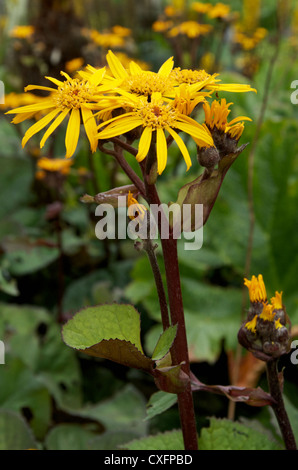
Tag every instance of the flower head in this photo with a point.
(216, 117)
(74, 97)
(256, 289)
(264, 332)
(155, 117)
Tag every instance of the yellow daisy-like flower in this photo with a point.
(191, 29)
(200, 7)
(220, 10)
(54, 164)
(22, 32)
(160, 26)
(216, 116)
(138, 81)
(207, 81)
(155, 117)
(256, 289)
(74, 97)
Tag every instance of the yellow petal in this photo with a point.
(196, 132)
(134, 68)
(161, 150)
(115, 65)
(120, 129)
(181, 146)
(53, 126)
(144, 144)
(72, 132)
(166, 68)
(33, 108)
(90, 127)
(39, 125)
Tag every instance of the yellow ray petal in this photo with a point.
(33, 108)
(166, 67)
(134, 68)
(38, 87)
(232, 87)
(39, 125)
(144, 144)
(123, 127)
(161, 150)
(72, 132)
(55, 81)
(115, 65)
(53, 126)
(90, 127)
(196, 132)
(181, 146)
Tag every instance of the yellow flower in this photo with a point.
(220, 10)
(208, 82)
(256, 289)
(252, 325)
(216, 116)
(74, 64)
(155, 117)
(192, 29)
(54, 164)
(22, 32)
(160, 26)
(134, 208)
(138, 81)
(74, 97)
(200, 7)
(107, 39)
(277, 300)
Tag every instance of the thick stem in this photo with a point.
(179, 350)
(279, 407)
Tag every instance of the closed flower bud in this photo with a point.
(208, 157)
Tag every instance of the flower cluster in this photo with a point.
(264, 331)
(115, 100)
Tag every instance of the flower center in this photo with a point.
(157, 114)
(189, 76)
(73, 93)
(146, 83)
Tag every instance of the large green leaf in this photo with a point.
(171, 440)
(110, 331)
(15, 433)
(223, 434)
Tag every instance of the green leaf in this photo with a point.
(160, 402)
(69, 437)
(20, 390)
(15, 434)
(223, 434)
(110, 331)
(164, 343)
(172, 440)
(126, 410)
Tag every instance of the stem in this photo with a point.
(150, 250)
(117, 153)
(179, 350)
(279, 407)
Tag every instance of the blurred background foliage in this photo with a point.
(52, 264)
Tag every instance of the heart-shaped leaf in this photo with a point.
(110, 331)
